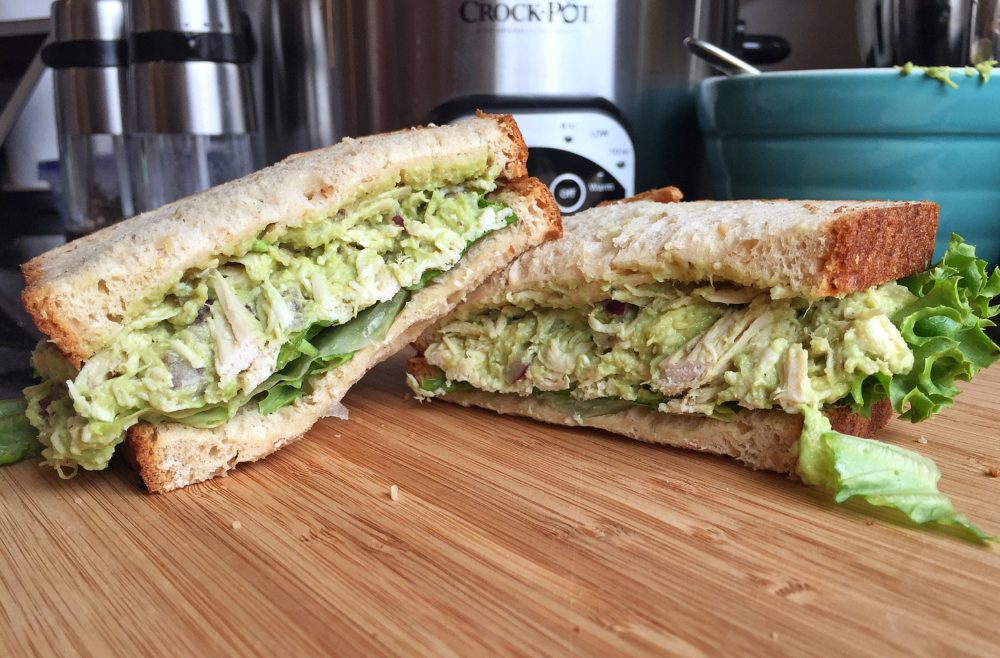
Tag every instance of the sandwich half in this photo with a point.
(760, 330)
(220, 327)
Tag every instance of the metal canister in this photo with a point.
(928, 32)
(191, 119)
(87, 53)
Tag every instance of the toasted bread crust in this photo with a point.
(82, 293)
(541, 199)
(423, 341)
(845, 421)
(869, 247)
(418, 366)
(517, 151)
(169, 456)
(669, 194)
(46, 312)
(761, 439)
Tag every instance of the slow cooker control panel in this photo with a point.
(585, 156)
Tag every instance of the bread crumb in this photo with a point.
(922, 439)
(237, 525)
(393, 492)
(79, 501)
(869, 523)
(994, 472)
(774, 635)
(337, 436)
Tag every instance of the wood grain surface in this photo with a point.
(508, 537)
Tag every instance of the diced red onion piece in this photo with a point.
(615, 307)
(515, 370)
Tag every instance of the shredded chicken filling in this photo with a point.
(686, 350)
(247, 326)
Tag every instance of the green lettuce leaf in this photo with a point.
(325, 346)
(425, 278)
(431, 384)
(497, 206)
(882, 474)
(944, 328)
(368, 327)
(567, 404)
(206, 417)
(328, 347)
(561, 400)
(587, 408)
(321, 348)
(279, 396)
(440, 385)
(18, 439)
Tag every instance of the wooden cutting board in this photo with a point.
(508, 537)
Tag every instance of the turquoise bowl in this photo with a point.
(861, 134)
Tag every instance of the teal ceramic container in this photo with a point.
(861, 134)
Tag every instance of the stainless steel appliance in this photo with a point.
(87, 54)
(928, 32)
(296, 82)
(191, 116)
(568, 71)
(600, 88)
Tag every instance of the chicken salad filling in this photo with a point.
(257, 325)
(698, 350)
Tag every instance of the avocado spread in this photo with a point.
(255, 325)
(684, 350)
(942, 74)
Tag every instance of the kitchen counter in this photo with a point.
(507, 536)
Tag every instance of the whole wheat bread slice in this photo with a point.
(170, 456)
(81, 294)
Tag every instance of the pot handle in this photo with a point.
(762, 48)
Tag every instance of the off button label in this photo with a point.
(570, 192)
